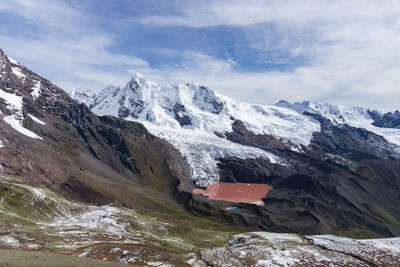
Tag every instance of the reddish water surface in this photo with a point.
(236, 192)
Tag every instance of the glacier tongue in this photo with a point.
(202, 150)
(188, 115)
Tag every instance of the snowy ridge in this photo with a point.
(353, 116)
(188, 115)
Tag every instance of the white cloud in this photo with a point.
(67, 48)
(242, 13)
(351, 47)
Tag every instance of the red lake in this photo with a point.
(236, 192)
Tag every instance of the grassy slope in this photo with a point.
(27, 214)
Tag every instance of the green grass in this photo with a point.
(357, 234)
(169, 228)
(375, 209)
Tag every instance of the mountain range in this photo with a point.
(331, 167)
(149, 147)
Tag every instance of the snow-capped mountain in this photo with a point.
(193, 117)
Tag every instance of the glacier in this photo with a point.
(194, 118)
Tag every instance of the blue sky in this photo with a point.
(344, 52)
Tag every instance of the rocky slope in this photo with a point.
(48, 137)
(58, 158)
(331, 168)
(387, 120)
(37, 219)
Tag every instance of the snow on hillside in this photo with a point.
(14, 103)
(353, 116)
(279, 249)
(188, 115)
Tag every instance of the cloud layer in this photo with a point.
(343, 52)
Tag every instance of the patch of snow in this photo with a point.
(36, 120)
(10, 241)
(36, 90)
(15, 103)
(272, 249)
(33, 246)
(104, 218)
(155, 263)
(39, 193)
(84, 254)
(384, 251)
(16, 124)
(12, 99)
(112, 250)
(1, 144)
(391, 244)
(13, 61)
(17, 72)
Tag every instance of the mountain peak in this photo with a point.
(137, 76)
(6, 60)
(137, 81)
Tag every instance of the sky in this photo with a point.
(259, 51)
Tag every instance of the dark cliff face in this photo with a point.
(347, 179)
(81, 155)
(388, 120)
(351, 142)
